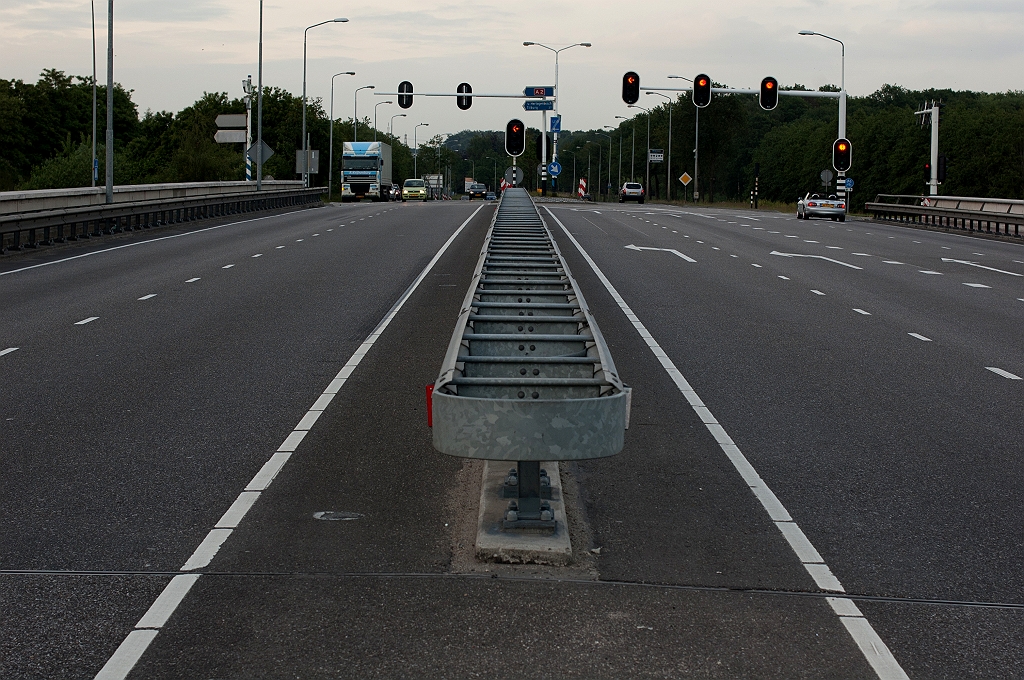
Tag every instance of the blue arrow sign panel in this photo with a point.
(538, 105)
(555, 168)
(539, 91)
(849, 182)
(556, 123)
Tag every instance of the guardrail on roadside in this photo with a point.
(996, 216)
(33, 229)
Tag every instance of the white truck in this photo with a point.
(366, 171)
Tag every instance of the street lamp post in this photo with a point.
(375, 117)
(305, 35)
(544, 145)
(841, 179)
(648, 111)
(416, 148)
(391, 123)
(620, 151)
(330, 144)
(601, 134)
(259, 111)
(696, 146)
(668, 166)
(110, 103)
(355, 118)
(93, 169)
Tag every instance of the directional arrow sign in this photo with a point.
(538, 105)
(667, 250)
(981, 266)
(816, 257)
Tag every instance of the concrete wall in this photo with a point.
(52, 199)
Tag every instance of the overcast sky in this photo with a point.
(170, 52)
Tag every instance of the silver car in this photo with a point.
(815, 205)
(631, 191)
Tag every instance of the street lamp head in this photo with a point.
(388, 102)
(348, 73)
(585, 45)
(340, 20)
(807, 33)
(371, 87)
(682, 78)
(528, 43)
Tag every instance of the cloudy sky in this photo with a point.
(170, 52)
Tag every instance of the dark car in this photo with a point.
(477, 191)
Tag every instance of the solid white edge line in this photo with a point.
(8, 350)
(134, 645)
(152, 240)
(997, 371)
(867, 640)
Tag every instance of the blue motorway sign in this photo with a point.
(555, 168)
(556, 123)
(849, 182)
(539, 91)
(538, 105)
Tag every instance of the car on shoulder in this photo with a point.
(477, 191)
(490, 196)
(816, 205)
(414, 190)
(631, 191)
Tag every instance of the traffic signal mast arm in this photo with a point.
(729, 90)
(519, 95)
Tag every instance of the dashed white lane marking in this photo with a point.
(834, 247)
(1021, 299)
(316, 234)
(788, 236)
(85, 321)
(193, 279)
(997, 371)
(134, 646)
(817, 292)
(279, 248)
(806, 241)
(330, 230)
(919, 337)
(258, 255)
(773, 232)
(929, 271)
(861, 311)
(759, 229)
(784, 278)
(891, 262)
(861, 254)
(734, 256)
(870, 644)
(756, 265)
(8, 350)
(147, 297)
(227, 266)
(977, 285)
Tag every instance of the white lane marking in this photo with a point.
(834, 247)
(714, 248)
(873, 648)
(85, 321)
(193, 279)
(928, 271)
(168, 601)
(299, 240)
(8, 350)
(146, 242)
(330, 230)
(919, 337)
(279, 248)
(817, 292)
(236, 512)
(666, 250)
(734, 256)
(756, 265)
(861, 254)
(891, 262)
(788, 236)
(815, 257)
(946, 248)
(131, 650)
(980, 254)
(147, 297)
(861, 311)
(977, 285)
(784, 278)
(316, 234)
(759, 229)
(227, 266)
(1021, 299)
(773, 232)
(980, 266)
(1005, 374)
(806, 241)
(258, 255)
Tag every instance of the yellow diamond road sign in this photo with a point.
(685, 179)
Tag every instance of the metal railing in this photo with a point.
(995, 216)
(527, 376)
(33, 229)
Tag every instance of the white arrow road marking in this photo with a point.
(667, 250)
(980, 266)
(817, 257)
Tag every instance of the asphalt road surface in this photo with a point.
(819, 409)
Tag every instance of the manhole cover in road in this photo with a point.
(336, 515)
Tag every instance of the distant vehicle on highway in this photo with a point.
(631, 191)
(414, 189)
(490, 196)
(815, 205)
(366, 171)
(477, 191)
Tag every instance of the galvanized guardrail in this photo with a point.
(32, 229)
(527, 376)
(997, 216)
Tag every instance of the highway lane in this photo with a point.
(898, 455)
(125, 439)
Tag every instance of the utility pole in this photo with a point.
(931, 110)
(110, 102)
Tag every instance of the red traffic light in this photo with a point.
(842, 146)
(631, 87)
(515, 137)
(768, 97)
(701, 90)
(770, 85)
(842, 155)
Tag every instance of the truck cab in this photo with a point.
(366, 171)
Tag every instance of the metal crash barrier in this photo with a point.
(527, 376)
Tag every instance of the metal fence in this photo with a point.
(34, 229)
(995, 216)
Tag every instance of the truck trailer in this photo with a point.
(366, 171)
